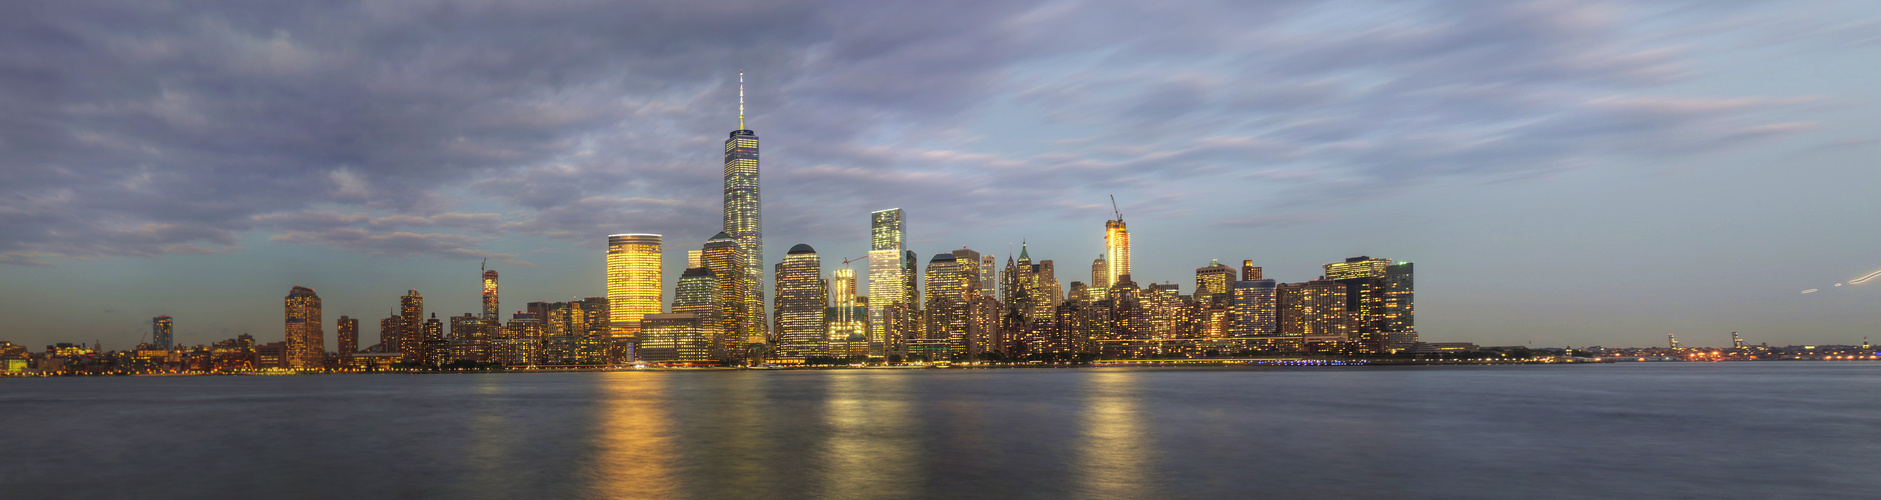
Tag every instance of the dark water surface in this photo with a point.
(1641, 430)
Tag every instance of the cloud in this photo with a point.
(139, 130)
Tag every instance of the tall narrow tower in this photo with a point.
(306, 347)
(490, 307)
(1116, 246)
(744, 221)
(633, 281)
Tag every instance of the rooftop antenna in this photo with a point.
(485, 266)
(1113, 208)
(741, 98)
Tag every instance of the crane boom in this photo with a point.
(1113, 207)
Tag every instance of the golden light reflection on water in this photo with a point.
(1115, 448)
(635, 438)
(873, 437)
(488, 449)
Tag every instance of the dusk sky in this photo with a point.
(1564, 173)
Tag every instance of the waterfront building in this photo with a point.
(801, 297)
(1100, 279)
(411, 309)
(950, 290)
(744, 219)
(162, 335)
(1312, 314)
(723, 256)
(1398, 316)
(678, 338)
(389, 330)
(848, 325)
(348, 329)
(634, 284)
(305, 348)
(1253, 311)
(433, 348)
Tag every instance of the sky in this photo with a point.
(1563, 172)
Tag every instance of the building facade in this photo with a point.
(305, 346)
(634, 284)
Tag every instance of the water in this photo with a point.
(1639, 430)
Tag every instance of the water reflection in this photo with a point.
(873, 437)
(1115, 447)
(488, 449)
(635, 438)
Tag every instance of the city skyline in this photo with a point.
(1581, 180)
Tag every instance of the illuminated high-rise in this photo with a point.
(634, 287)
(1212, 280)
(349, 338)
(885, 290)
(1100, 279)
(686, 335)
(1399, 315)
(885, 229)
(950, 291)
(801, 298)
(411, 339)
(723, 256)
(1357, 267)
(1253, 310)
(848, 325)
(1312, 313)
(306, 347)
(1249, 271)
(491, 310)
(888, 276)
(161, 334)
(1116, 250)
(744, 220)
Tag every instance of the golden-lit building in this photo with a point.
(1212, 280)
(801, 297)
(634, 287)
(491, 309)
(950, 290)
(306, 347)
(1100, 280)
(1357, 267)
(676, 338)
(411, 338)
(1313, 312)
(725, 259)
(1116, 251)
(744, 219)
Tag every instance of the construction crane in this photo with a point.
(847, 261)
(1113, 208)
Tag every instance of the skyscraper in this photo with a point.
(490, 307)
(306, 347)
(1398, 320)
(411, 339)
(1116, 250)
(725, 258)
(349, 338)
(1357, 267)
(950, 291)
(1253, 309)
(634, 286)
(686, 335)
(1312, 313)
(161, 335)
(744, 220)
(885, 229)
(1100, 279)
(887, 276)
(801, 299)
(1212, 280)
(1249, 271)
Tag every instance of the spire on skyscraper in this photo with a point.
(741, 99)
